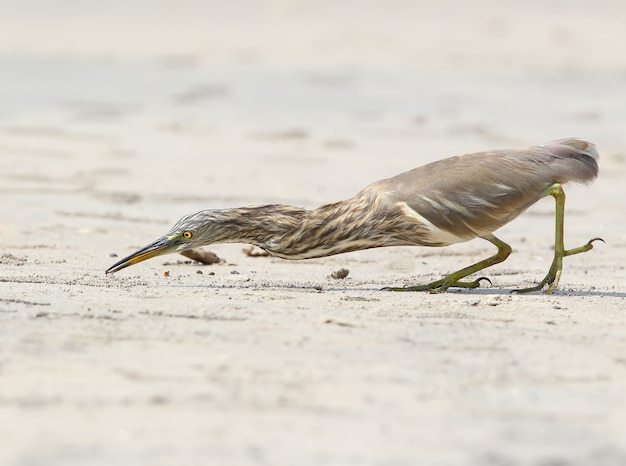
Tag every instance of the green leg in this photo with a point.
(453, 279)
(554, 274)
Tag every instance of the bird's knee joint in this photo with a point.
(505, 251)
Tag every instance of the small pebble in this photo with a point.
(112, 254)
(340, 274)
(166, 273)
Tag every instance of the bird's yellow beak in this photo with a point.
(163, 245)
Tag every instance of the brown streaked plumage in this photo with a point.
(445, 202)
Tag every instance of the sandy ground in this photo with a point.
(117, 119)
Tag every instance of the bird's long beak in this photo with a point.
(159, 247)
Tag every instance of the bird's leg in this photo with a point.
(453, 279)
(554, 274)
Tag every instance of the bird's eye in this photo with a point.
(187, 234)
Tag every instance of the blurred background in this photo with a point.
(118, 117)
(246, 85)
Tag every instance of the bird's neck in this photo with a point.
(259, 225)
(295, 233)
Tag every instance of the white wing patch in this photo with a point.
(437, 235)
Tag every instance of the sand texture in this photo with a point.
(117, 118)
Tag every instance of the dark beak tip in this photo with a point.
(117, 267)
(157, 248)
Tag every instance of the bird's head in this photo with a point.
(190, 232)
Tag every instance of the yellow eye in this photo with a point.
(187, 234)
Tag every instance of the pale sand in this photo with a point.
(116, 120)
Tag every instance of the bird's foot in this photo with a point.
(549, 279)
(584, 248)
(440, 286)
(554, 274)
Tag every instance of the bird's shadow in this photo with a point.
(452, 291)
(494, 292)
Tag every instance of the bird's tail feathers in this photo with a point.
(577, 160)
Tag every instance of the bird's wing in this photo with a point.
(475, 194)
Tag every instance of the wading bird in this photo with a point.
(442, 203)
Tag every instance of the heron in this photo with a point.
(445, 202)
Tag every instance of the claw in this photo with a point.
(477, 281)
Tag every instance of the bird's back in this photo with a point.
(471, 195)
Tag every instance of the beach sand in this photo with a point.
(118, 119)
